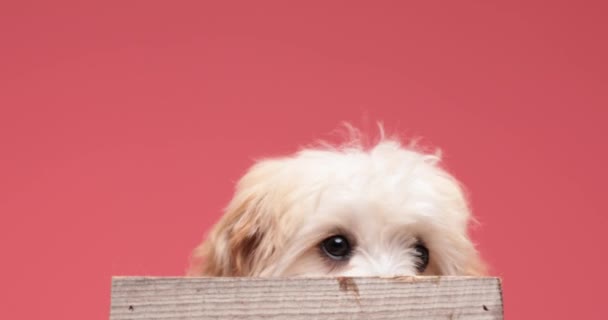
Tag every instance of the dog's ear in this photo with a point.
(476, 267)
(243, 242)
(456, 255)
(232, 247)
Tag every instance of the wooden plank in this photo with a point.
(306, 298)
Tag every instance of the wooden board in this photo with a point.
(306, 298)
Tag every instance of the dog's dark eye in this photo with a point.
(336, 247)
(422, 253)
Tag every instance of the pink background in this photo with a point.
(124, 125)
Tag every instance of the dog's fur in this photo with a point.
(384, 199)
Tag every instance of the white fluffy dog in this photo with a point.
(344, 211)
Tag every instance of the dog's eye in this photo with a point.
(336, 247)
(422, 253)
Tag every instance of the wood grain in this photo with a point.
(306, 298)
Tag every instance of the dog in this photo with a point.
(387, 209)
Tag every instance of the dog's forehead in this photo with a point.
(376, 199)
(372, 191)
(360, 215)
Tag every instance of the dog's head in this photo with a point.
(349, 211)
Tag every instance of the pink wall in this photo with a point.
(124, 125)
